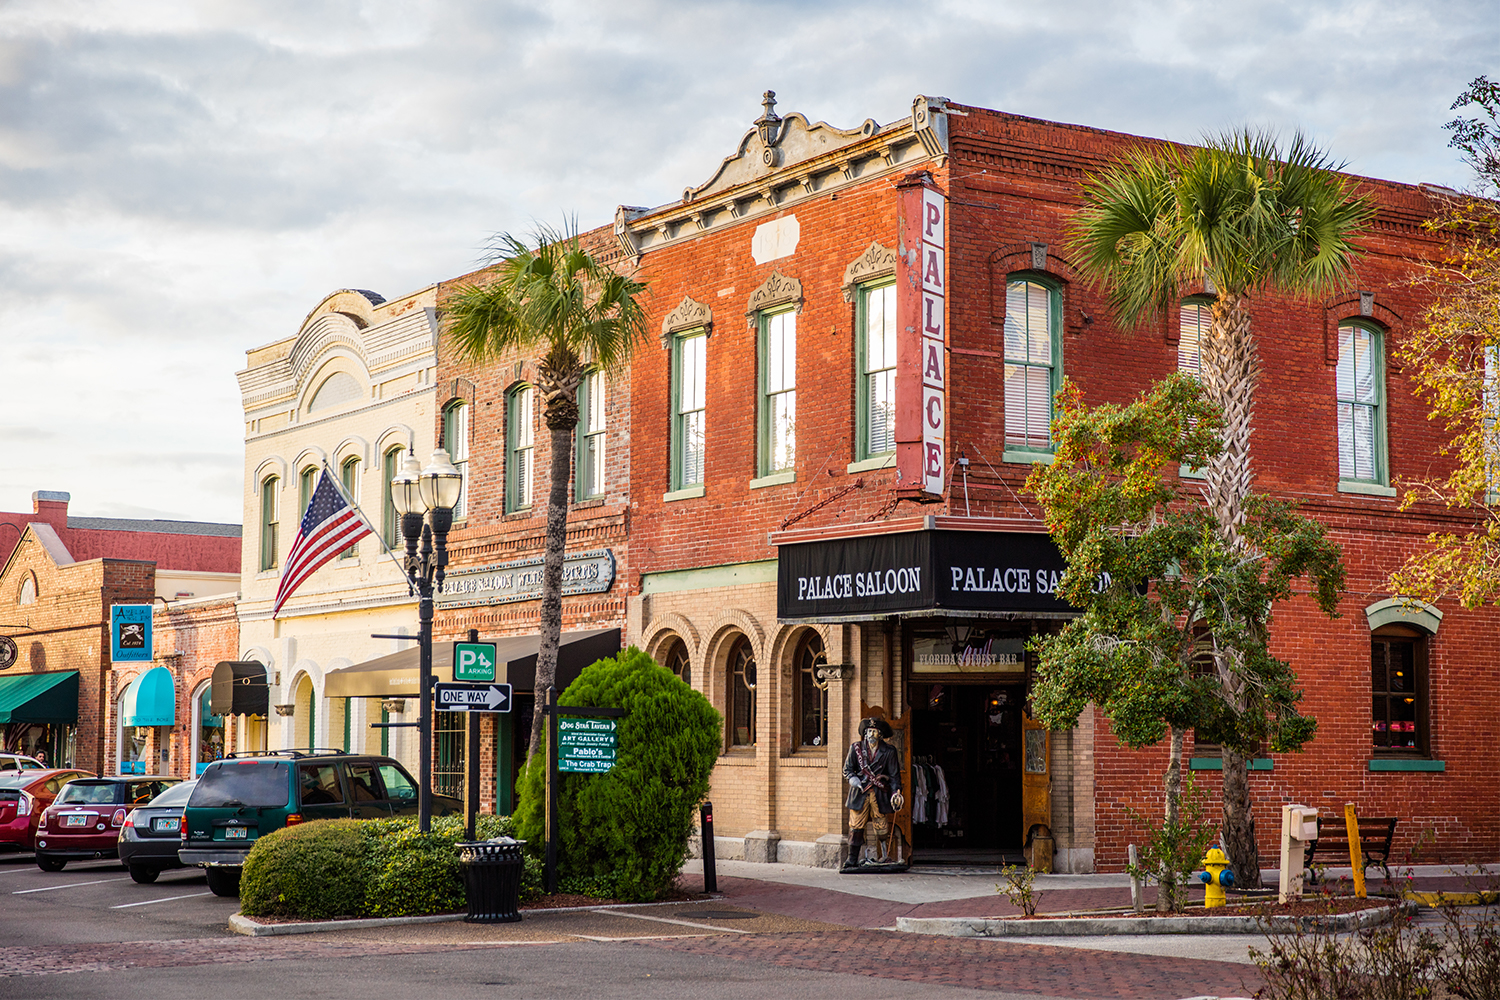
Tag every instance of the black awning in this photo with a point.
(929, 571)
(239, 688)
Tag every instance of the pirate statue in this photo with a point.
(873, 770)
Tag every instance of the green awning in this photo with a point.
(150, 700)
(40, 698)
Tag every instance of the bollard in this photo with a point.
(710, 876)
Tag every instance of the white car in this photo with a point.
(20, 762)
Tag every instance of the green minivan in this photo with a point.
(246, 796)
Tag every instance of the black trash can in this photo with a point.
(492, 879)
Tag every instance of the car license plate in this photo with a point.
(77, 819)
(167, 825)
(235, 832)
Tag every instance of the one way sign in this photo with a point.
(472, 697)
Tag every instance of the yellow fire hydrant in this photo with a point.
(1216, 876)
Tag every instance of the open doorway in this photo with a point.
(966, 767)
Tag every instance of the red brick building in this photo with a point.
(61, 693)
(861, 331)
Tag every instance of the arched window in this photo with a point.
(456, 440)
(269, 522)
(1361, 406)
(1192, 327)
(390, 526)
(590, 475)
(676, 660)
(1398, 689)
(519, 450)
(741, 694)
(307, 483)
(349, 476)
(1033, 362)
(810, 713)
(337, 389)
(28, 591)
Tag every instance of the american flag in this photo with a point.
(329, 526)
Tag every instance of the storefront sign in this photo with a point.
(130, 633)
(585, 745)
(503, 583)
(921, 340)
(916, 571)
(8, 652)
(985, 655)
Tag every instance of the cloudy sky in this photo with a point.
(182, 181)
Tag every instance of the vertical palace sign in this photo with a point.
(921, 338)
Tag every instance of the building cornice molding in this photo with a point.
(690, 314)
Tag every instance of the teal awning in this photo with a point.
(40, 698)
(150, 700)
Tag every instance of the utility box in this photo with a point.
(1299, 827)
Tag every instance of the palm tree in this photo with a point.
(552, 297)
(1243, 218)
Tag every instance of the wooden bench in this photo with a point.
(1332, 846)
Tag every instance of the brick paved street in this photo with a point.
(982, 964)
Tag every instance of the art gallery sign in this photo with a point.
(931, 570)
(591, 572)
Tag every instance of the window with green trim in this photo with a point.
(456, 441)
(1398, 688)
(349, 476)
(306, 484)
(1361, 398)
(689, 407)
(1192, 327)
(778, 392)
(390, 525)
(520, 453)
(875, 321)
(1033, 362)
(589, 478)
(269, 522)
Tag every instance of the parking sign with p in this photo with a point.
(474, 661)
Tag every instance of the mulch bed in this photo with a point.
(565, 900)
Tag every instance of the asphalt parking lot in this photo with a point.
(96, 901)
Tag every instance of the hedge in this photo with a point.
(364, 868)
(625, 832)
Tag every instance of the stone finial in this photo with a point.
(769, 124)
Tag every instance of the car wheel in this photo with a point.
(224, 881)
(47, 864)
(143, 874)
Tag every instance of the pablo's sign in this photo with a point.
(915, 571)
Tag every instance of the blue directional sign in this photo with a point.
(130, 633)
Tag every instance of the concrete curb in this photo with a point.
(250, 927)
(1083, 926)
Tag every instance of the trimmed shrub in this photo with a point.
(625, 832)
(357, 868)
(312, 870)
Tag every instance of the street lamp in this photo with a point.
(425, 499)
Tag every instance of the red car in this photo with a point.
(84, 821)
(23, 796)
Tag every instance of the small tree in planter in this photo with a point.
(1164, 597)
(629, 827)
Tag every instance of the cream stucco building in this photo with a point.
(350, 391)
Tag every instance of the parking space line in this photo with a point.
(70, 885)
(669, 920)
(164, 899)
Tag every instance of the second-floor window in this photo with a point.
(590, 474)
(778, 409)
(1192, 327)
(519, 451)
(307, 482)
(876, 392)
(349, 476)
(390, 526)
(689, 391)
(1361, 393)
(269, 522)
(456, 440)
(1033, 369)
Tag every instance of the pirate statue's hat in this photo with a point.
(879, 725)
